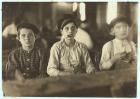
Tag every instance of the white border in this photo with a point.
(138, 61)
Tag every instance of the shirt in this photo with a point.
(30, 64)
(63, 58)
(119, 46)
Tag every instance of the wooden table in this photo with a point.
(118, 83)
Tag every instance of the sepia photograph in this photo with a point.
(69, 49)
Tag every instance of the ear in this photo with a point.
(61, 31)
(17, 38)
(37, 37)
(112, 31)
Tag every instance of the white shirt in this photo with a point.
(119, 46)
(62, 58)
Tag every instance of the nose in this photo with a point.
(27, 37)
(70, 31)
(123, 29)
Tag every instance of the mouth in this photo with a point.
(27, 42)
(124, 34)
(70, 35)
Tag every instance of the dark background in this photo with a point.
(45, 16)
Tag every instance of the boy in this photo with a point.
(69, 56)
(120, 52)
(26, 61)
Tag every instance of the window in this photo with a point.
(111, 11)
(82, 11)
(75, 7)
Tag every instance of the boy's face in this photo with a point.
(121, 30)
(27, 37)
(69, 31)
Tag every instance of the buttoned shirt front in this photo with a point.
(63, 58)
(28, 63)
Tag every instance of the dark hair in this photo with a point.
(28, 26)
(67, 18)
(120, 19)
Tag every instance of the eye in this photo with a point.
(125, 26)
(66, 28)
(73, 28)
(23, 35)
(30, 34)
(118, 27)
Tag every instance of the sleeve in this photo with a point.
(11, 65)
(53, 63)
(87, 60)
(105, 62)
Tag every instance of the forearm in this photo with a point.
(56, 72)
(52, 71)
(90, 69)
(19, 76)
(106, 65)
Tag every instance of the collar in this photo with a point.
(25, 51)
(118, 41)
(64, 43)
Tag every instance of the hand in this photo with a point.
(118, 56)
(90, 70)
(19, 76)
(74, 63)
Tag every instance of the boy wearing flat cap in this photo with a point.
(27, 61)
(120, 52)
(69, 56)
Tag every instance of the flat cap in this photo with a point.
(29, 26)
(119, 19)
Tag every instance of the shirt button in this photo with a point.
(28, 60)
(27, 68)
(24, 74)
